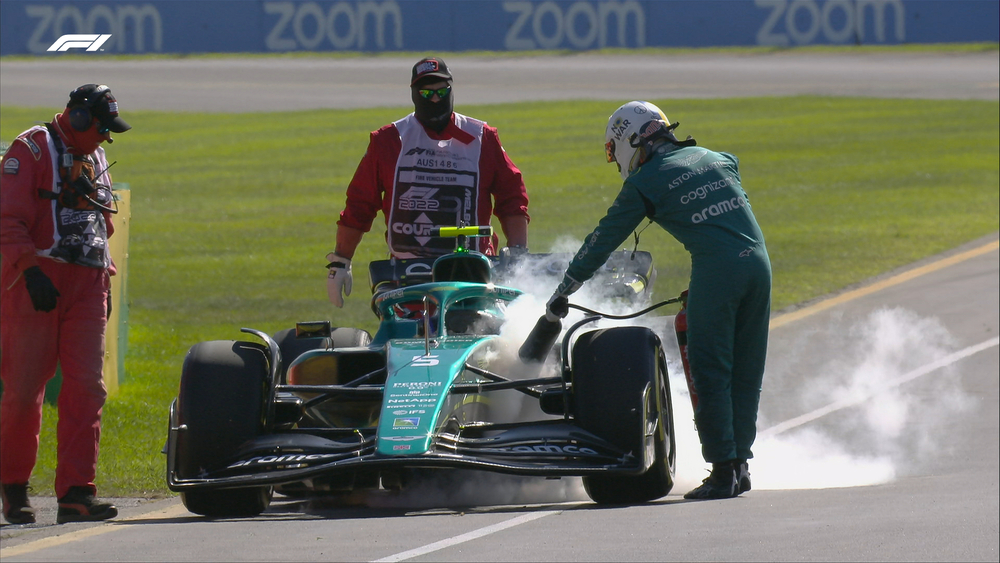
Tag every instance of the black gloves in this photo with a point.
(557, 308)
(43, 293)
(558, 305)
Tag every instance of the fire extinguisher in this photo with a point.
(680, 329)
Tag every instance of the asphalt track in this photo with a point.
(880, 420)
(283, 84)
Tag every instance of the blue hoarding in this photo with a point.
(260, 26)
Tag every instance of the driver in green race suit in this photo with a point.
(694, 194)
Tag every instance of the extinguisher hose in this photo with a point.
(630, 315)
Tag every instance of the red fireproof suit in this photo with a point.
(32, 343)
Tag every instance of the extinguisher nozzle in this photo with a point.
(536, 347)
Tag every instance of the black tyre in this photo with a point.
(221, 404)
(228, 503)
(292, 347)
(621, 394)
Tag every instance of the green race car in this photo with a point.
(319, 410)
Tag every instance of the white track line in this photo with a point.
(469, 536)
(843, 404)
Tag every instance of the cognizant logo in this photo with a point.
(86, 41)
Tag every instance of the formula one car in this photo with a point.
(315, 409)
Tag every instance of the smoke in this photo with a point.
(538, 277)
(881, 430)
(878, 428)
(869, 424)
(460, 488)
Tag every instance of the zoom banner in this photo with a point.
(52, 28)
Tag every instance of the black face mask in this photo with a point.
(433, 115)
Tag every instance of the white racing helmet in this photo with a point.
(624, 127)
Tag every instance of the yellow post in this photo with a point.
(116, 336)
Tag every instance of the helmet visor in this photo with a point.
(609, 149)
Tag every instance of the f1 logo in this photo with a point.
(90, 42)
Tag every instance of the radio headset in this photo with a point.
(81, 115)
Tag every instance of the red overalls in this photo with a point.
(33, 231)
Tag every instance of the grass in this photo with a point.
(233, 214)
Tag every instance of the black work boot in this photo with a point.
(721, 483)
(79, 505)
(16, 508)
(742, 469)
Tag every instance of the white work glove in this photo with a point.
(338, 278)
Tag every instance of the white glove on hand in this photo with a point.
(339, 279)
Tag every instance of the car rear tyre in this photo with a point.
(621, 394)
(220, 406)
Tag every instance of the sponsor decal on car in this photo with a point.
(406, 422)
(417, 384)
(403, 412)
(282, 459)
(505, 291)
(412, 400)
(549, 449)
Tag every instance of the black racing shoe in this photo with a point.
(721, 483)
(79, 505)
(742, 469)
(16, 508)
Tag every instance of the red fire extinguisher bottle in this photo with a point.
(680, 329)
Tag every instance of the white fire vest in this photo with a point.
(436, 185)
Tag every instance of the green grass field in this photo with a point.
(232, 216)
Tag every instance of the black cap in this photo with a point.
(102, 105)
(430, 66)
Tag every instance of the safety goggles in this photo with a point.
(441, 93)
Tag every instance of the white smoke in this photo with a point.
(889, 430)
(878, 428)
(538, 277)
(892, 428)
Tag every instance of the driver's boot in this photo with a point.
(721, 483)
(742, 469)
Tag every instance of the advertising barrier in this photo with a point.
(43, 27)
